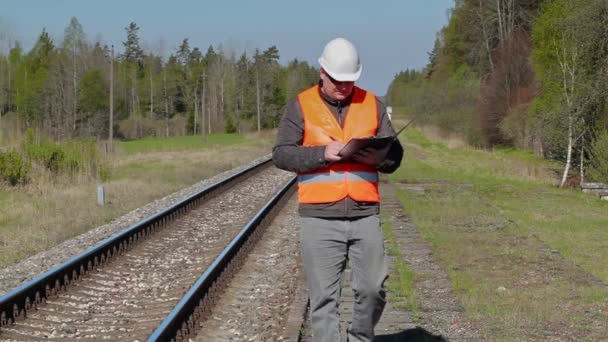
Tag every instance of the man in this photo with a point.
(339, 199)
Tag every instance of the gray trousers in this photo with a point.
(326, 246)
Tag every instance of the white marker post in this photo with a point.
(101, 196)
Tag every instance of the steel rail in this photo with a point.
(18, 301)
(180, 322)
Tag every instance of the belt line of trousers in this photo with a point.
(326, 246)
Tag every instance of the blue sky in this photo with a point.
(391, 35)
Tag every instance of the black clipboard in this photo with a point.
(378, 144)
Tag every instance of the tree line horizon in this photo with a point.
(526, 74)
(62, 91)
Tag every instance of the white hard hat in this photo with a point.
(341, 60)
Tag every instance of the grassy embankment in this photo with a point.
(524, 257)
(50, 210)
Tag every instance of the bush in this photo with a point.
(598, 164)
(69, 157)
(137, 127)
(13, 168)
(50, 156)
(81, 156)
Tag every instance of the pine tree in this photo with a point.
(134, 68)
(133, 52)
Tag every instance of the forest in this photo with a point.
(61, 89)
(524, 74)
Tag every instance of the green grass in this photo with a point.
(401, 283)
(179, 143)
(493, 219)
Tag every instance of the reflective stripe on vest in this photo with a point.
(356, 176)
(338, 180)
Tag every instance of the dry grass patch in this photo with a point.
(450, 139)
(51, 209)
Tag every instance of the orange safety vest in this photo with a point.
(338, 180)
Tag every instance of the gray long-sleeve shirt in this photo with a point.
(289, 154)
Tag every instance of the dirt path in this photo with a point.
(441, 313)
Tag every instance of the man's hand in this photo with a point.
(331, 151)
(368, 156)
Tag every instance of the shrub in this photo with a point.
(76, 156)
(137, 127)
(13, 168)
(48, 154)
(81, 156)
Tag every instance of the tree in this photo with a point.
(270, 94)
(183, 53)
(134, 68)
(189, 81)
(94, 101)
(15, 59)
(246, 101)
(571, 68)
(31, 80)
(133, 52)
(299, 76)
(506, 93)
(74, 41)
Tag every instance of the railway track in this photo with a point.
(156, 280)
(255, 305)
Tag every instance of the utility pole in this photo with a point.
(111, 134)
(203, 136)
(257, 95)
(151, 92)
(166, 101)
(195, 108)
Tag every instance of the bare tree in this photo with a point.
(567, 55)
(257, 97)
(151, 89)
(74, 39)
(485, 34)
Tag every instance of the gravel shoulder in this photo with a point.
(31, 267)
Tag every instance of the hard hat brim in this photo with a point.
(342, 77)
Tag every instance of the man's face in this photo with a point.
(336, 90)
